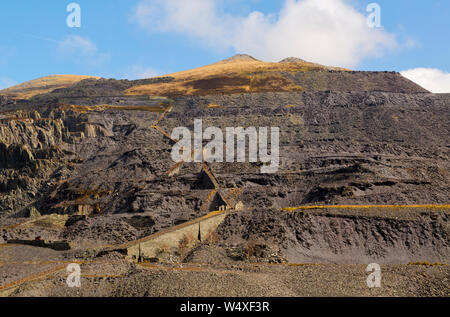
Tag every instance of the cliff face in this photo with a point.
(33, 145)
(382, 148)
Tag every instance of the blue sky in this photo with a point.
(143, 38)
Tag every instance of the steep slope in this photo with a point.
(93, 150)
(336, 148)
(381, 235)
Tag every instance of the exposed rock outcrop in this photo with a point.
(15, 156)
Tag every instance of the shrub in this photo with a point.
(212, 237)
(187, 242)
(249, 249)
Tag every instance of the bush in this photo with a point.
(249, 249)
(186, 243)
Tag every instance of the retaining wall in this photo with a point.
(149, 247)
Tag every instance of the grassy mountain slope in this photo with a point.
(42, 85)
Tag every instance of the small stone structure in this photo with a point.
(149, 247)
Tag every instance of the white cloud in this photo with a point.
(82, 50)
(140, 72)
(325, 31)
(77, 44)
(434, 80)
(6, 82)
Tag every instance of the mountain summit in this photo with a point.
(292, 60)
(245, 74)
(241, 73)
(240, 58)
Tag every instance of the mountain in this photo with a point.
(42, 85)
(238, 74)
(245, 74)
(363, 175)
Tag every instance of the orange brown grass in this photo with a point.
(42, 85)
(230, 77)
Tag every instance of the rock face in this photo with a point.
(15, 156)
(344, 237)
(3, 100)
(347, 138)
(336, 148)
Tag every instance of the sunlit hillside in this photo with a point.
(236, 75)
(42, 85)
(239, 74)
